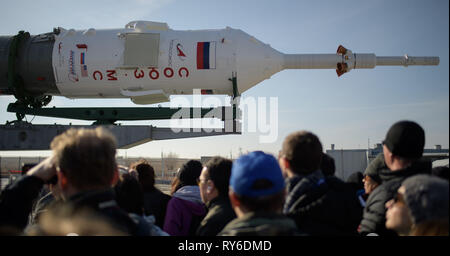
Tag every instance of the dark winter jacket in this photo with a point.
(374, 216)
(261, 224)
(219, 214)
(155, 203)
(322, 205)
(104, 203)
(40, 207)
(16, 201)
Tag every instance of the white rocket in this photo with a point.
(147, 62)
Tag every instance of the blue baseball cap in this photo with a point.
(256, 174)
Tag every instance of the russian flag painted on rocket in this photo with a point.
(82, 58)
(206, 55)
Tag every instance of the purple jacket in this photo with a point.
(185, 208)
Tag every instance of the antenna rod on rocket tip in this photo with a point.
(344, 60)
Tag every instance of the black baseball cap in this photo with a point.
(405, 139)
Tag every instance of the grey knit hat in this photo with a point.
(427, 197)
(375, 167)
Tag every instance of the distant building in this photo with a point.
(167, 168)
(205, 159)
(348, 161)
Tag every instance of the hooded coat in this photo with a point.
(184, 212)
(322, 205)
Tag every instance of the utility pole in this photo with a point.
(162, 164)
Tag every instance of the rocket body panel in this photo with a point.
(95, 65)
(77, 56)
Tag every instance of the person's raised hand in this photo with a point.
(45, 170)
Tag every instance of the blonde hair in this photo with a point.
(86, 157)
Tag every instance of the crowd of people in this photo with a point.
(80, 191)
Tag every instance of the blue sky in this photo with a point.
(349, 111)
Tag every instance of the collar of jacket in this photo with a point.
(97, 199)
(262, 215)
(260, 223)
(417, 167)
(217, 201)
